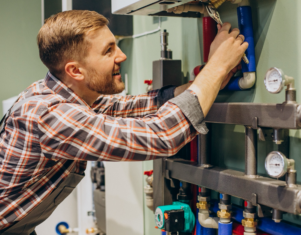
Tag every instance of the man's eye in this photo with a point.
(109, 50)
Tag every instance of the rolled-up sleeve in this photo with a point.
(191, 108)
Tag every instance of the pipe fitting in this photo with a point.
(206, 221)
(248, 215)
(217, 3)
(244, 3)
(203, 199)
(203, 205)
(224, 214)
(224, 207)
(149, 200)
(247, 81)
(249, 223)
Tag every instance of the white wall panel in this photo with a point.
(124, 198)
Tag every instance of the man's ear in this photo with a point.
(73, 70)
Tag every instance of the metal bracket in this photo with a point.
(261, 134)
(263, 211)
(254, 199)
(255, 123)
(167, 176)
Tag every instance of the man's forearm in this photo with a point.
(207, 85)
(181, 89)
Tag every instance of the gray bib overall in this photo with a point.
(40, 213)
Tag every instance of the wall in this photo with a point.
(20, 64)
(277, 34)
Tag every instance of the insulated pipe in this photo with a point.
(265, 224)
(209, 33)
(198, 228)
(245, 23)
(250, 152)
(208, 231)
(224, 229)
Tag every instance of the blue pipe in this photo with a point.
(245, 23)
(265, 224)
(246, 28)
(199, 229)
(224, 229)
(163, 233)
(208, 231)
(198, 226)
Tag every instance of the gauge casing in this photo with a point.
(279, 162)
(274, 80)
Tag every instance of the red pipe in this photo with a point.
(238, 229)
(209, 33)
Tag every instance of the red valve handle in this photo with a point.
(148, 173)
(148, 82)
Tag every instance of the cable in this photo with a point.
(142, 34)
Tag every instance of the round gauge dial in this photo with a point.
(274, 80)
(276, 164)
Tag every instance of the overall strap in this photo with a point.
(16, 106)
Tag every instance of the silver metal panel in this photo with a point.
(285, 116)
(264, 191)
(142, 7)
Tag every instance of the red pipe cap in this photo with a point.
(148, 173)
(148, 82)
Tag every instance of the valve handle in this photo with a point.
(148, 173)
(148, 82)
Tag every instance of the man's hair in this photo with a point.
(62, 37)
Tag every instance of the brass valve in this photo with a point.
(224, 214)
(92, 230)
(203, 205)
(217, 3)
(249, 223)
(63, 229)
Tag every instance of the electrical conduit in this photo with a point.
(244, 13)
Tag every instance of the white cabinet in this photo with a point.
(144, 7)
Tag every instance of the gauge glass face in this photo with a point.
(273, 81)
(275, 165)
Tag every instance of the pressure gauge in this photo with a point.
(276, 164)
(274, 80)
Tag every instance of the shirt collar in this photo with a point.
(61, 89)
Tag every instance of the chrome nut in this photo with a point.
(203, 199)
(248, 215)
(224, 207)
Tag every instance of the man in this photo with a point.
(69, 118)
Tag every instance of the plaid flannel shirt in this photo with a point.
(45, 139)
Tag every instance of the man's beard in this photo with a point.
(106, 86)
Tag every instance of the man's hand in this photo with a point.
(224, 41)
(230, 75)
(226, 52)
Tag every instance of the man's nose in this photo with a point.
(121, 57)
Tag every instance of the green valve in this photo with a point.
(175, 217)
